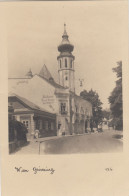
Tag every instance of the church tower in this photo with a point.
(66, 62)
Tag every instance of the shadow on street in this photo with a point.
(117, 136)
(94, 143)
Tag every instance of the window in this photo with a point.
(52, 126)
(26, 123)
(71, 63)
(63, 108)
(49, 126)
(60, 63)
(66, 78)
(65, 62)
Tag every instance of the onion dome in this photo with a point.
(65, 44)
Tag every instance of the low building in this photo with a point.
(33, 117)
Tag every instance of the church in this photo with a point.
(53, 108)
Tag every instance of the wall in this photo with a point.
(82, 112)
(38, 91)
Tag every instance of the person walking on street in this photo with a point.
(36, 133)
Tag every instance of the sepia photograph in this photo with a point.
(65, 78)
(64, 91)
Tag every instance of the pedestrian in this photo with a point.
(36, 133)
(59, 130)
(91, 126)
(100, 127)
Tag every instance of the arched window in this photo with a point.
(60, 63)
(65, 62)
(71, 63)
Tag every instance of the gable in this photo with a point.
(17, 106)
(38, 91)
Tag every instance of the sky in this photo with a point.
(96, 29)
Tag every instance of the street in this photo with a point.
(107, 141)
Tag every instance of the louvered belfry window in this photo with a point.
(65, 62)
(71, 63)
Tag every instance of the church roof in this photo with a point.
(52, 82)
(44, 72)
(46, 75)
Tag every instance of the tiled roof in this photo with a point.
(46, 75)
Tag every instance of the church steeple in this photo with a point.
(65, 44)
(44, 73)
(65, 33)
(66, 62)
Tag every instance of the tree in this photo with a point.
(115, 99)
(106, 114)
(93, 97)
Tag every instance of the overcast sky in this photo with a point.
(96, 29)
